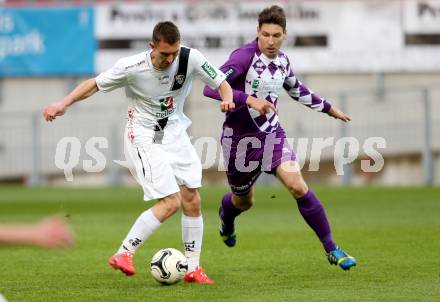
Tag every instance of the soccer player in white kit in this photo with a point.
(156, 83)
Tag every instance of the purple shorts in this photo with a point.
(246, 157)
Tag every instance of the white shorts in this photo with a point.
(161, 168)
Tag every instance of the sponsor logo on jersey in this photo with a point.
(165, 113)
(134, 65)
(166, 107)
(255, 84)
(272, 85)
(166, 103)
(209, 70)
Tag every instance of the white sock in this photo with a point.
(192, 236)
(144, 226)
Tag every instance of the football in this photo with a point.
(168, 266)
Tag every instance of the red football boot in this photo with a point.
(124, 262)
(198, 276)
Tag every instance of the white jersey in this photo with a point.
(149, 93)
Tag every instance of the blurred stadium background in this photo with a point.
(377, 60)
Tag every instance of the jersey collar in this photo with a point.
(265, 58)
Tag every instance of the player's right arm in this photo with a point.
(81, 92)
(235, 68)
(111, 79)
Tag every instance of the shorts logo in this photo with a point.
(209, 70)
(241, 188)
(180, 78)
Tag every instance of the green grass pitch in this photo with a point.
(393, 232)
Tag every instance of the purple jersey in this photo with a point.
(250, 72)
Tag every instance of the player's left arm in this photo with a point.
(225, 91)
(301, 93)
(214, 78)
(338, 114)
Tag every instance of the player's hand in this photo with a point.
(262, 106)
(337, 114)
(54, 110)
(226, 106)
(52, 232)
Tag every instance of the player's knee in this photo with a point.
(247, 204)
(297, 188)
(191, 204)
(172, 204)
(244, 202)
(191, 196)
(193, 201)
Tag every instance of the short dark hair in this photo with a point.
(272, 15)
(166, 32)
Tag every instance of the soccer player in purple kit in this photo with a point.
(257, 72)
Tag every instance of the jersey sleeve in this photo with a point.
(299, 92)
(113, 78)
(234, 68)
(208, 73)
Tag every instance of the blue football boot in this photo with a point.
(227, 233)
(341, 258)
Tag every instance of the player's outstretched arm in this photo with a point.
(82, 91)
(225, 91)
(51, 232)
(337, 114)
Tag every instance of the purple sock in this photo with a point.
(228, 212)
(313, 213)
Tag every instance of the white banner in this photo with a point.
(421, 16)
(359, 35)
(206, 18)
